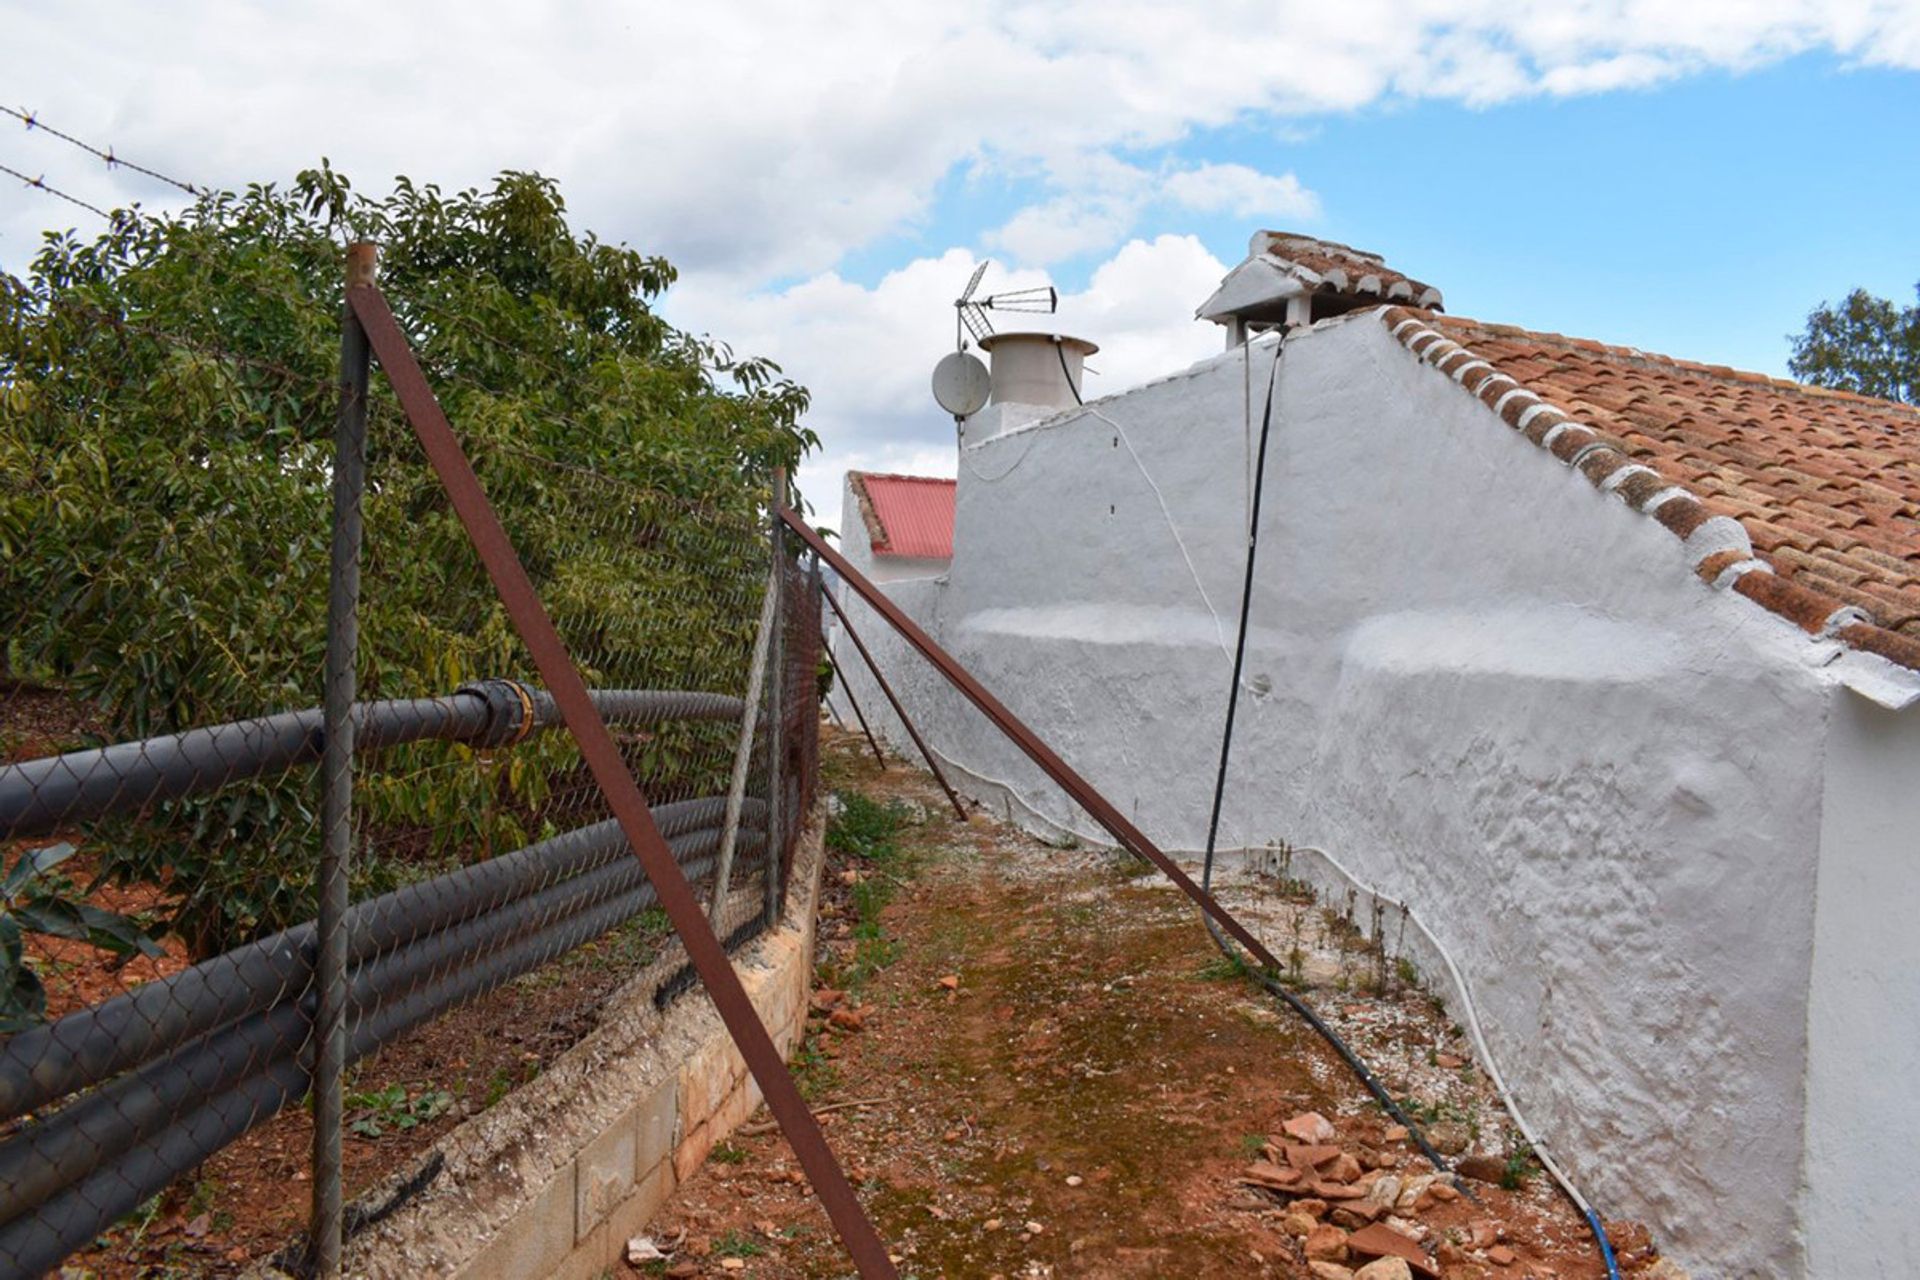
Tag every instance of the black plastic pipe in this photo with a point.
(34, 1244)
(38, 1240)
(38, 797)
(1268, 981)
(92, 1044)
(66, 1145)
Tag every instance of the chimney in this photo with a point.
(1038, 369)
(1290, 280)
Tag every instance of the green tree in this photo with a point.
(1866, 344)
(167, 392)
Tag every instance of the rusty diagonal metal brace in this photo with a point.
(1130, 837)
(859, 715)
(616, 782)
(925, 752)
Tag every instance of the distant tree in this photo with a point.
(1866, 344)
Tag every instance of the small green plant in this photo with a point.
(1296, 964)
(1408, 972)
(1222, 968)
(376, 1111)
(867, 830)
(728, 1153)
(1296, 890)
(499, 1085)
(864, 828)
(1252, 1144)
(1520, 1163)
(813, 1073)
(36, 898)
(204, 1193)
(737, 1244)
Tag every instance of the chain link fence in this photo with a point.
(161, 801)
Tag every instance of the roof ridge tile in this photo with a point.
(1718, 547)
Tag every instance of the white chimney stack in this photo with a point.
(1038, 369)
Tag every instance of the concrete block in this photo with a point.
(538, 1239)
(692, 1152)
(733, 1111)
(602, 1252)
(699, 1090)
(605, 1172)
(655, 1126)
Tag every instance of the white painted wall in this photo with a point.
(1489, 689)
(1863, 1072)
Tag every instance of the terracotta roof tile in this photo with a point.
(1825, 484)
(1339, 268)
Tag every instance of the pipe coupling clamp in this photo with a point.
(509, 711)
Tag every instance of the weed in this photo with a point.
(727, 1153)
(1520, 1163)
(1222, 968)
(813, 1072)
(499, 1085)
(393, 1108)
(737, 1244)
(865, 828)
(1252, 1144)
(201, 1199)
(1408, 972)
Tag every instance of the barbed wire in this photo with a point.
(33, 121)
(41, 184)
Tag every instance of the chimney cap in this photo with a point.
(1042, 369)
(1081, 345)
(1289, 278)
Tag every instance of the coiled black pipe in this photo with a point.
(38, 797)
(96, 1128)
(93, 1044)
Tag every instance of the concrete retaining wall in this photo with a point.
(554, 1179)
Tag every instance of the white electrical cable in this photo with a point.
(1473, 1025)
(1219, 627)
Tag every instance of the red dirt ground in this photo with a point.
(1084, 1102)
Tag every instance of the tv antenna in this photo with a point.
(970, 313)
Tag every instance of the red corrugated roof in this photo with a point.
(906, 515)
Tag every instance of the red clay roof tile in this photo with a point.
(1825, 483)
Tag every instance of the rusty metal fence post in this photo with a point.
(336, 805)
(777, 814)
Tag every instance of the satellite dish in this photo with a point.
(961, 384)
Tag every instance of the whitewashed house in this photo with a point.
(1606, 662)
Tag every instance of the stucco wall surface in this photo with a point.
(1863, 1121)
(1489, 689)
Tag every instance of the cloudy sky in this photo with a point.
(1683, 177)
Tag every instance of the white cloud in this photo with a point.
(867, 353)
(764, 139)
(1107, 199)
(753, 141)
(1241, 191)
